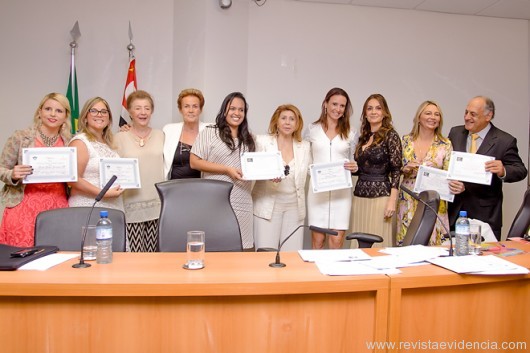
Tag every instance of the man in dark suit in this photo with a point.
(484, 202)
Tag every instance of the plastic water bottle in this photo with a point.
(104, 239)
(462, 234)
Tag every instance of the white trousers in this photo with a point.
(268, 233)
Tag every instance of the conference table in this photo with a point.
(146, 302)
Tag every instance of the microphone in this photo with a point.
(417, 198)
(277, 262)
(82, 263)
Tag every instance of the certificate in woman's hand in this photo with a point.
(330, 176)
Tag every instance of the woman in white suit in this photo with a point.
(179, 137)
(279, 204)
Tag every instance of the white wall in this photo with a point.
(284, 51)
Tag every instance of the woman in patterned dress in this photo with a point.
(217, 154)
(23, 202)
(94, 141)
(425, 145)
(378, 155)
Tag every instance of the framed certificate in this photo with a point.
(429, 178)
(330, 176)
(50, 165)
(469, 167)
(262, 165)
(126, 169)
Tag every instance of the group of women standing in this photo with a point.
(268, 211)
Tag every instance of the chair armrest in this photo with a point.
(266, 250)
(365, 240)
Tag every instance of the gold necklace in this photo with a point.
(142, 139)
(48, 141)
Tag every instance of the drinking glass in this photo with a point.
(195, 250)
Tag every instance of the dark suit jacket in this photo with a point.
(484, 202)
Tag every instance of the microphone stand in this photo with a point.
(82, 263)
(277, 262)
(418, 198)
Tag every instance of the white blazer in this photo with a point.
(172, 133)
(263, 194)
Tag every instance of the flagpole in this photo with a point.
(71, 92)
(130, 83)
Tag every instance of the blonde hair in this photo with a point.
(65, 129)
(190, 92)
(273, 125)
(83, 121)
(416, 122)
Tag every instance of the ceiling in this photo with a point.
(517, 9)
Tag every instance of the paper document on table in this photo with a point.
(351, 268)
(393, 261)
(416, 251)
(46, 262)
(333, 255)
(479, 265)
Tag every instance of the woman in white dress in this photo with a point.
(332, 140)
(94, 141)
(279, 204)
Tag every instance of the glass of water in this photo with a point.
(475, 239)
(89, 247)
(195, 250)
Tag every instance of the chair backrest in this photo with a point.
(62, 227)
(522, 218)
(197, 204)
(423, 221)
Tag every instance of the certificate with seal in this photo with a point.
(330, 176)
(429, 178)
(50, 165)
(126, 169)
(469, 167)
(262, 165)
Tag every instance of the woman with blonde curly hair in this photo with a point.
(23, 202)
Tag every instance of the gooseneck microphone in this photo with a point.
(417, 198)
(82, 263)
(277, 262)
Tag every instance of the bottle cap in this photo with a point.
(462, 213)
(104, 213)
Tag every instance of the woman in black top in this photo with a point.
(378, 155)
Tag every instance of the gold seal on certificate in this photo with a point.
(262, 165)
(126, 169)
(330, 176)
(50, 165)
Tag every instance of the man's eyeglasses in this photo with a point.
(286, 170)
(95, 112)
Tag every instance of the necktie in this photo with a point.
(473, 147)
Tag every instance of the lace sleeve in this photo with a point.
(394, 150)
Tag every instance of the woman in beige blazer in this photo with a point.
(279, 204)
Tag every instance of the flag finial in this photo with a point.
(75, 33)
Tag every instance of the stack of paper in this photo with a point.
(479, 265)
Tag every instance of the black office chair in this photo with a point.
(521, 222)
(419, 230)
(197, 204)
(62, 227)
